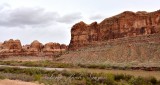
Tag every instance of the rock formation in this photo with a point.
(11, 46)
(36, 46)
(1, 45)
(52, 47)
(63, 47)
(125, 24)
(14, 48)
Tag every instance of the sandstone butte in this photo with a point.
(125, 24)
(14, 48)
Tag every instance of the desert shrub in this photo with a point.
(110, 79)
(2, 77)
(99, 66)
(37, 77)
(12, 76)
(152, 80)
(27, 63)
(158, 83)
(67, 74)
(79, 82)
(139, 81)
(125, 77)
(46, 63)
(71, 77)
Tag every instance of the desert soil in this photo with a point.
(16, 82)
(25, 58)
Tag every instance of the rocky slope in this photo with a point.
(125, 24)
(14, 48)
(142, 50)
(130, 39)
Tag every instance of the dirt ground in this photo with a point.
(16, 82)
(25, 58)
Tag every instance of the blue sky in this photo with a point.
(51, 20)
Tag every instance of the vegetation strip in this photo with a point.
(74, 78)
(51, 64)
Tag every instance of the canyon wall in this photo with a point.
(125, 24)
(14, 48)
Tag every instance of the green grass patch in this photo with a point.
(37, 64)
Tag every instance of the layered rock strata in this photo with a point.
(125, 24)
(14, 48)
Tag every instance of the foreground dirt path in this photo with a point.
(16, 82)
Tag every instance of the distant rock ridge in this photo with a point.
(125, 24)
(14, 48)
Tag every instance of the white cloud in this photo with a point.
(25, 16)
(28, 24)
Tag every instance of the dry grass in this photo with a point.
(82, 77)
(135, 73)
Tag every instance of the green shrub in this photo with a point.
(153, 80)
(139, 81)
(37, 77)
(125, 77)
(2, 77)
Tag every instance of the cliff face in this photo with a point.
(14, 48)
(125, 24)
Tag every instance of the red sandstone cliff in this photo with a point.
(122, 25)
(14, 48)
